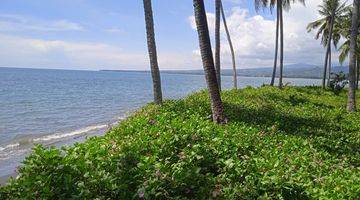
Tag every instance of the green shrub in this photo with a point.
(295, 143)
(338, 82)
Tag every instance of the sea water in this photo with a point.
(60, 107)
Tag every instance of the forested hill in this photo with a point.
(290, 71)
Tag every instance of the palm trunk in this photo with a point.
(329, 68)
(357, 72)
(328, 52)
(276, 44)
(208, 62)
(325, 67)
(217, 42)
(155, 73)
(351, 104)
(231, 47)
(281, 44)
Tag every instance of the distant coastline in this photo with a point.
(300, 70)
(200, 73)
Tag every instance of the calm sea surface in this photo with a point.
(57, 107)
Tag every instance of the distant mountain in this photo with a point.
(300, 70)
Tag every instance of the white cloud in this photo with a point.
(234, 1)
(254, 37)
(62, 54)
(23, 52)
(114, 30)
(10, 23)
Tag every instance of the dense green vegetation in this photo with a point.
(295, 143)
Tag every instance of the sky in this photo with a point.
(110, 34)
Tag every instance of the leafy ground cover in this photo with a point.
(295, 143)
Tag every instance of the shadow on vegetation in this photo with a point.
(328, 132)
(267, 116)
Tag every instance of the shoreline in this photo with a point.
(4, 179)
(277, 144)
(13, 156)
(69, 139)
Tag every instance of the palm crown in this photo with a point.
(272, 3)
(345, 31)
(323, 25)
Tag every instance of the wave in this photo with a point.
(23, 144)
(81, 131)
(9, 146)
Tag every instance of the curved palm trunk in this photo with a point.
(276, 43)
(217, 42)
(155, 73)
(351, 104)
(231, 47)
(281, 44)
(328, 51)
(208, 62)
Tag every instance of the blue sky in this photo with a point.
(109, 34)
(112, 21)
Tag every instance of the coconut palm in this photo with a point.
(332, 11)
(149, 21)
(231, 47)
(344, 53)
(281, 16)
(345, 31)
(208, 62)
(276, 45)
(351, 105)
(280, 6)
(217, 42)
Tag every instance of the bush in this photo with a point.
(295, 143)
(338, 82)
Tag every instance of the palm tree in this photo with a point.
(276, 44)
(208, 62)
(345, 31)
(280, 2)
(231, 47)
(217, 42)
(344, 53)
(332, 11)
(152, 52)
(280, 5)
(351, 105)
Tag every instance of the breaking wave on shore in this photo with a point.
(24, 144)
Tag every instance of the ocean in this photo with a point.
(60, 107)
